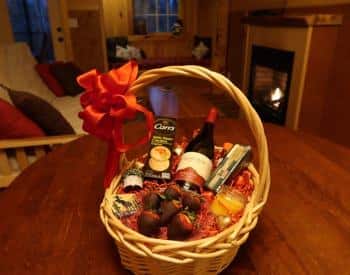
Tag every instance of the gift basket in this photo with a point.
(173, 246)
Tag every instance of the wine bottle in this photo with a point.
(196, 163)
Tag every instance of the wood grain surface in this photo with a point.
(49, 222)
(88, 40)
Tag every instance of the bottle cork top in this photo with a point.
(212, 115)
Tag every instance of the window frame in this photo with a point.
(156, 34)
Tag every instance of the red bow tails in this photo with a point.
(106, 106)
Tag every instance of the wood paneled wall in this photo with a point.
(206, 18)
(117, 17)
(164, 47)
(84, 5)
(244, 5)
(6, 34)
(213, 22)
(86, 40)
(235, 48)
(336, 110)
(88, 37)
(318, 79)
(220, 36)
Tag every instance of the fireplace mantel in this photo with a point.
(302, 21)
(312, 39)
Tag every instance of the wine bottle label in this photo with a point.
(194, 167)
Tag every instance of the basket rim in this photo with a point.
(236, 226)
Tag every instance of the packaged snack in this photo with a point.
(124, 205)
(158, 164)
(235, 160)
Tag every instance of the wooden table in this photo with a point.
(49, 222)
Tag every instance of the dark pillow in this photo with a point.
(206, 41)
(14, 124)
(66, 74)
(50, 81)
(41, 112)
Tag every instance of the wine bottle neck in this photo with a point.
(213, 113)
(208, 127)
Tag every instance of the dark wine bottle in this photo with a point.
(196, 163)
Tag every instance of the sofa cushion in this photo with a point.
(204, 42)
(41, 112)
(66, 74)
(14, 124)
(17, 71)
(51, 82)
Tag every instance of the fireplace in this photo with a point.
(286, 68)
(269, 82)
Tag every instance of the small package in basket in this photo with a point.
(188, 204)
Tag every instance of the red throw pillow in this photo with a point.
(51, 82)
(14, 124)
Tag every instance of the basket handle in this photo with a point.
(250, 114)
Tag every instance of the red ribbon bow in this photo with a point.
(106, 106)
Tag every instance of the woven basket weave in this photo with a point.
(145, 255)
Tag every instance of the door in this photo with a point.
(58, 16)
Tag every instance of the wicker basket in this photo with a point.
(145, 255)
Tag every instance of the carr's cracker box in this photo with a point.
(158, 164)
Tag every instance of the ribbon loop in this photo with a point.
(106, 106)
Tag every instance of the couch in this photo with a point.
(17, 72)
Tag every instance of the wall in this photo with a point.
(83, 5)
(206, 18)
(213, 22)
(316, 3)
(87, 34)
(6, 35)
(117, 17)
(244, 5)
(336, 111)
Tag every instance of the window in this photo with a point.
(158, 15)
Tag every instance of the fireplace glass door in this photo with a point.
(269, 84)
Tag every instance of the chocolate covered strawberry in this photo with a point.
(180, 227)
(168, 210)
(173, 192)
(192, 201)
(148, 223)
(151, 201)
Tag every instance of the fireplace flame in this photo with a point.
(276, 96)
